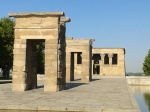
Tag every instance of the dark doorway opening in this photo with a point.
(34, 57)
(96, 69)
(96, 64)
(106, 59)
(114, 59)
(79, 58)
(72, 67)
(96, 58)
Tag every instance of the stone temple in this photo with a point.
(65, 57)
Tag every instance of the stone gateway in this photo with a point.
(65, 58)
(31, 28)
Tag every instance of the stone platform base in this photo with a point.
(100, 95)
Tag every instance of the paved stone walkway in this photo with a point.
(100, 95)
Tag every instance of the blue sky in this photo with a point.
(113, 23)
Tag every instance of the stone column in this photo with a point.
(19, 65)
(110, 59)
(61, 79)
(80, 67)
(102, 63)
(90, 59)
(92, 66)
(75, 63)
(100, 66)
(68, 66)
(51, 65)
(86, 73)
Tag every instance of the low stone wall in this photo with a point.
(138, 80)
(111, 76)
(140, 89)
(40, 76)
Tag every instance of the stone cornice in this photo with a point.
(64, 19)
(36, 14)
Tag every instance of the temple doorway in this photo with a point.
(33, 61)
(76, 65)
(96, 64)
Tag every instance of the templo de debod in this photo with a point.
(97, 61)
(65, 57)
(31, 28)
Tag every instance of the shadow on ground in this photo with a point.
(73, 85)
(41, 86)
(5, 82)
(95, 79)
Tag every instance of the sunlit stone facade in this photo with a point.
(31, 28)
(108, 61)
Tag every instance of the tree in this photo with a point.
(40, 57)
(146, 64)
(6, 45)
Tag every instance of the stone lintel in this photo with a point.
(64, 19)
(71, 38)
(83, 39)
(37, 37)
(36, 14)
(108, 50)
(79, 41)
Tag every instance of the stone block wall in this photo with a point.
(138, 80)
(73, 47)
(32, 27)
(111, 69)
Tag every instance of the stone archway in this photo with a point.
(83, 48)
(31, 27)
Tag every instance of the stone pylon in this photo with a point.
(39, 27)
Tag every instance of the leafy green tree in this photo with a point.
(6, 45)
(146, 64)
(40, 57)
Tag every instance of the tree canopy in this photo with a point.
(146, 64)
(40, 57)
(6, 42)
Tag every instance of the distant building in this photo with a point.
(97, 61)
(108, 61)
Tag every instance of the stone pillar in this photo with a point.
(110, 59)
(51, 65)
(68, 66)
(75, 63)
(86, 74)
(90, 57)
(19, 65)
(61, 79)
(92, 66)
(102, 64)
(80, 67)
